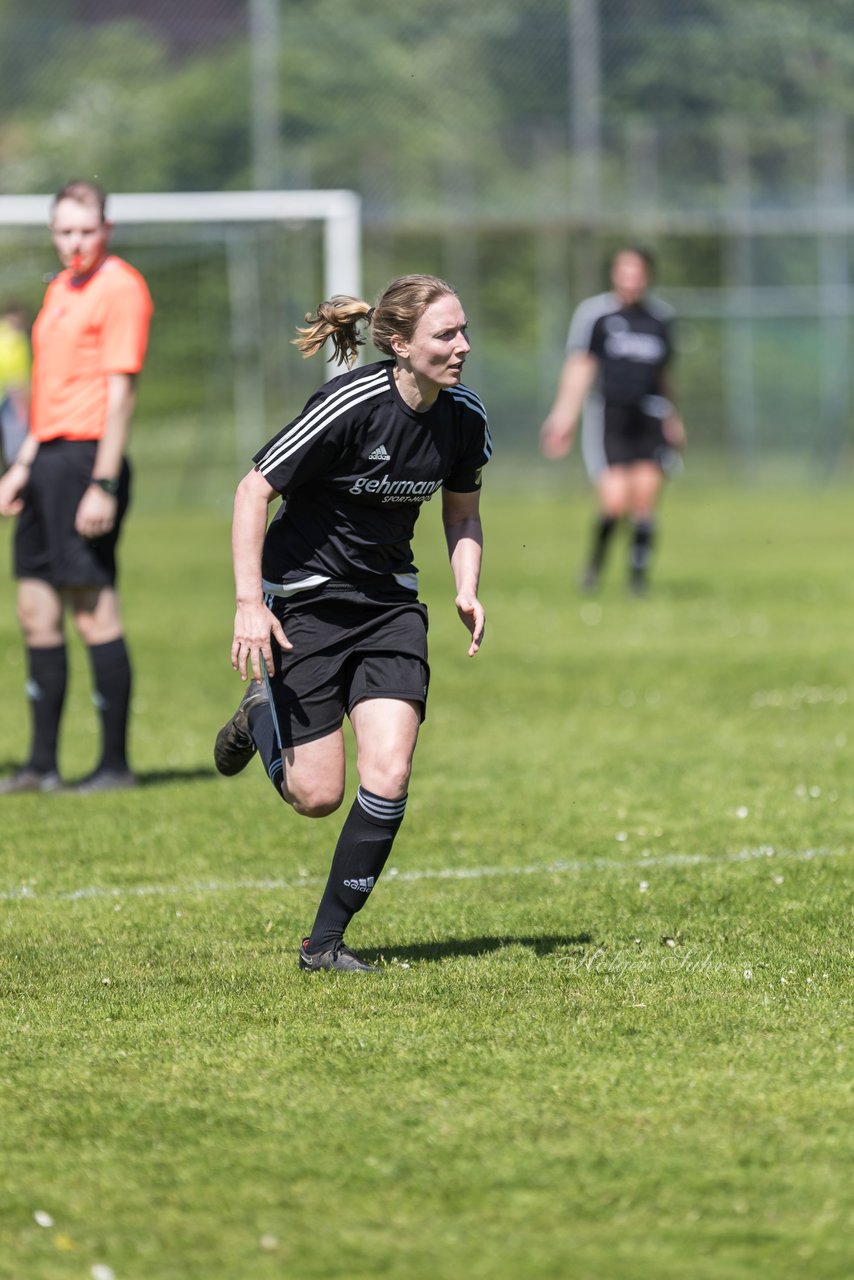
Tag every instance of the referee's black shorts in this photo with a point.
(348, 645)
(47, 546)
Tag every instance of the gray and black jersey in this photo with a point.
(633, 346)
(354, 469)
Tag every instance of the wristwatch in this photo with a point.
(109, 486)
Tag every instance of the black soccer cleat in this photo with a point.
(234, 747)
(336, 957)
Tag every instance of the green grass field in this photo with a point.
(611, 1034)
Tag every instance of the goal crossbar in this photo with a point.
(338, 210)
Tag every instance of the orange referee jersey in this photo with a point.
(83, 333)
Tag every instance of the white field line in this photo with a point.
(563, 867)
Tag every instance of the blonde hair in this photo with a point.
(395, 315)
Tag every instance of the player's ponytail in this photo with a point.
(396, 314)
(337, 319)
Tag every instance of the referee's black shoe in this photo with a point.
(28, 779)
(336, 957)
(234, 747)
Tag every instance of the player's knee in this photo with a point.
(26, 620)
(38, 629)
(315, 808)
(390, 780)
(314, 798)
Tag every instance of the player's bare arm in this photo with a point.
(464, 535)
(577, 377)
(254, 624)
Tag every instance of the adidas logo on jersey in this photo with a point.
(380, 454)
(364, 886)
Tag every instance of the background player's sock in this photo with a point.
(47, 671)
(643, 537)
(603, 530)
(111, 679)
(360, 855)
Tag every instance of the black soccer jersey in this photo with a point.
(633, 345)
(354, 468)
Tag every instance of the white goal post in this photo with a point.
(338, 210)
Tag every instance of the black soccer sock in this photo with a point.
(111, 681)
(360, 855)
(643, 537)
(262, 726)
(603, 530)
(47, 678)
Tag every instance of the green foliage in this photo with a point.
(397, 100)
(111, 86)
(610, 1035)
(454, 123)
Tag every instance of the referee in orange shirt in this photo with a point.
(70, 485)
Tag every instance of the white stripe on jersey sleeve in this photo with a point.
(322, 416)
(585, 316)
(468, 397)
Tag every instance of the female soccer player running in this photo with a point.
(328, 619)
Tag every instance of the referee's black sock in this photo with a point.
(111, 681)
(360, 855)
(47, 671)
(263, 729)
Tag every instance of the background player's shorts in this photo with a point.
(348, 646)
(632, 435)
(47, 546)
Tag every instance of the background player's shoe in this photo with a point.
(30, 780)
(638, 585)
(589, 579)
(234, 747)
(105, 780)
(337, 957)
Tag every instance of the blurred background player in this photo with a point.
(70, 482)
(618, 351)
(333, 582)
(14, 382)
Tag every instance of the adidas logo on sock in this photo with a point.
(380, 454)
(364, 886)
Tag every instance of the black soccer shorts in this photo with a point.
(47, 546)
(348, 645)
(630, 435)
